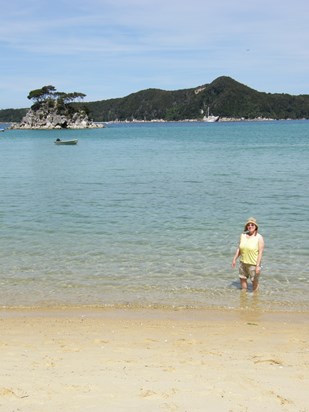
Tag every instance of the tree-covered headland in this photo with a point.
(224, 96)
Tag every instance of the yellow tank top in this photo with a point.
(249, 248)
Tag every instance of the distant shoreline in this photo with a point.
(135, 121)
(222, 119)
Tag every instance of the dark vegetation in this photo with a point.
(225, 97)
(48, 96)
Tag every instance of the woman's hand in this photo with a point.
(236, 256)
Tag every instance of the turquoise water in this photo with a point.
(150, 214)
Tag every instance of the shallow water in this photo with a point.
(150, 214)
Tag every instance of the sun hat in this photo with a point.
(251, 220)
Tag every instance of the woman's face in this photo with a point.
(251, 228)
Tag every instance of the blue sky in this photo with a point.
(111, 48)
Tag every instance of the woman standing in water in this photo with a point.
(250, 251)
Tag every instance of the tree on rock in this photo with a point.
(56, 110)
(39, 95)
(48, 94)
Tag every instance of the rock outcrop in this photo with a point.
(51, 116)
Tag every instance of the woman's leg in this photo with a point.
(255, 283)
(243, 284)
(243, 275)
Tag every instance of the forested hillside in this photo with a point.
(224, 96)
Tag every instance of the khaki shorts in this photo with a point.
(246, 270)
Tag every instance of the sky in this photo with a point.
(112, 48)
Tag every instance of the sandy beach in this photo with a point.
(95, 360)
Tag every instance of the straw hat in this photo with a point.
(251, 220)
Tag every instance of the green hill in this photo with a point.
(225, 97)
(12, 115)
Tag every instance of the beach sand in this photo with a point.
(80, 360)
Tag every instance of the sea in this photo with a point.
(149, 215)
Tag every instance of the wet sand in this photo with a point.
(80, 360)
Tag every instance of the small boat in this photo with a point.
(209, 118)
(2, 130)
(66, 142)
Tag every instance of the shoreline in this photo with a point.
(158, 312)
(237, 301)
(102, 124)
(153, 360)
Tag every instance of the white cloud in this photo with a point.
(137, 44)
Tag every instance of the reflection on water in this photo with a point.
(250, 305)
(249, 300)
